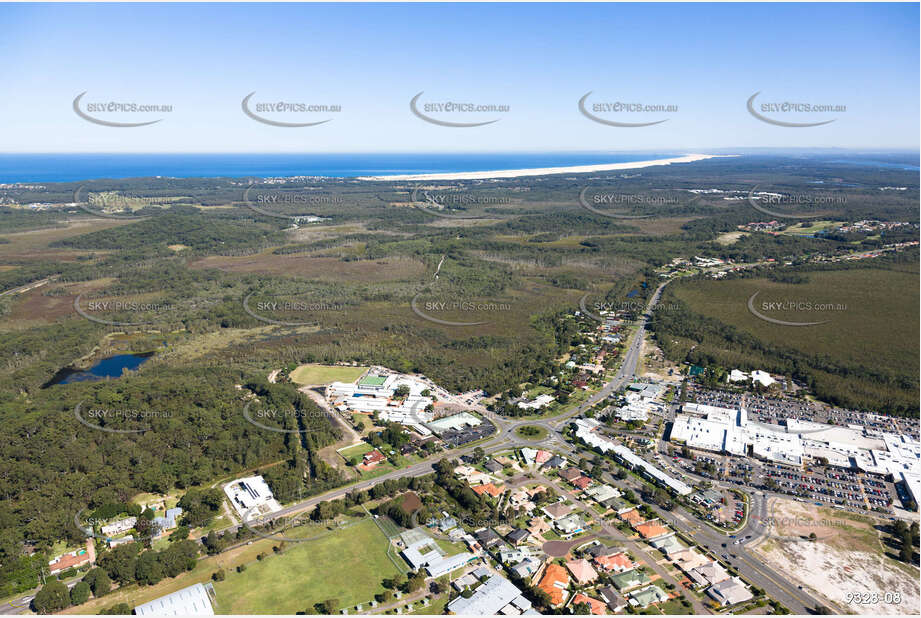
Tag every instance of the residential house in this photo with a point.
(644, 597)
(517, 536)
(372, 458)
(538, 526)
(582, 482)
(582, 571)
(514, 555)
(602, 493)
(570, 474)
(615, 601)
(557, 510)
(616, 563)
(487, 538)
(687, 560)
(69, 560)
(117, 527)
(489, 489)
(526, 568)
(493, 466)
(708, 574)
(629, 579)
(668, 544)
(632, 517)
(569, 525)
(555, 582)
(651, 529)
(729, 592)
(597, 607)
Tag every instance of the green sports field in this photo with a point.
(324, 374)
(347, 565)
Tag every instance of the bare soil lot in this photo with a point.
(846, 559)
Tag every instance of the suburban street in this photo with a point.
(776, 586)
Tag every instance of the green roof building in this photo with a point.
(630, 579)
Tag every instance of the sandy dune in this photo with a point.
(543, 171)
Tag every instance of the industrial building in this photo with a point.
(251, 497)
(196, 600)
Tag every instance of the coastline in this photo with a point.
(544, 171)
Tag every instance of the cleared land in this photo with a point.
(347, 565)
(847, 557)
(324, 374)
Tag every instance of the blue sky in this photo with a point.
(538, 59)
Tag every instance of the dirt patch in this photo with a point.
(845, 559)
(321, 268)
(730, 237)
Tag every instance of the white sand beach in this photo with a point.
(543, 171)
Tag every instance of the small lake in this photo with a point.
(111, 367)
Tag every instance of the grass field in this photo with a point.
(356, 451)
(347, 565)
(324, 374)
(436, 608)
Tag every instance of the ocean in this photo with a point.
(78, 167)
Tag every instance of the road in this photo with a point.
(776, 585)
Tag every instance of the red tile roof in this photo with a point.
(617, 562)
(66, 561)
(598, 608)
(488, 488)
(651, 529)
(554, 583)
(632, 517)
(374, 456)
